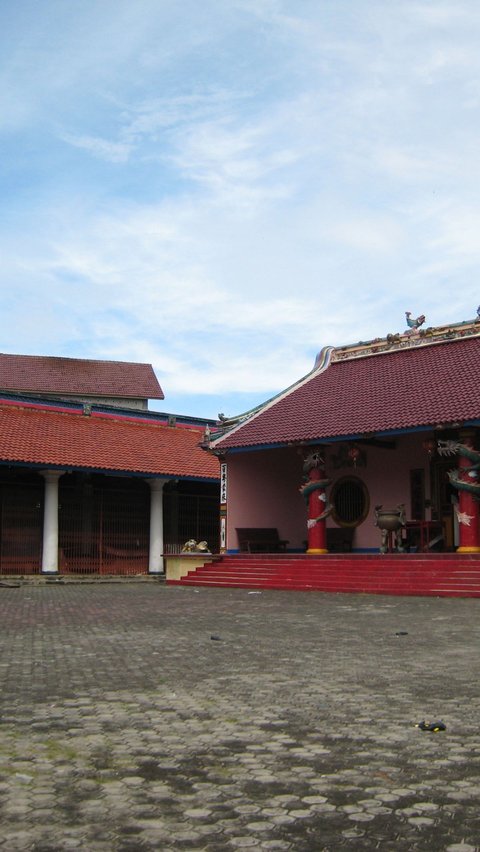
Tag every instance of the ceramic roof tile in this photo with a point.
(63, 439)
(45, 374)
(403, 389)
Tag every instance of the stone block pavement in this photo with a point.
(138, 717)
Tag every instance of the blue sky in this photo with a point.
(220, 188)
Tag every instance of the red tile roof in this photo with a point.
(43, 436)
(45, 374)
(404, 389)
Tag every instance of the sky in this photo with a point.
(222, 187)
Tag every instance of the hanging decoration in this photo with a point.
(429, 445)
(349, 455)
(354, 453)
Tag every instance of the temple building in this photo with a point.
(375, 450)
(91, 481)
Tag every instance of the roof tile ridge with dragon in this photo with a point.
(411, 339)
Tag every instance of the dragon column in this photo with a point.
(468, 514)
(466, 481)
(318, 507)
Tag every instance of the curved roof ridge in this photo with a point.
(322, 363)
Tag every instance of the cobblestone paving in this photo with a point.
(145, 717)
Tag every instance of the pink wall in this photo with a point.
(263, 488)
(263, 491)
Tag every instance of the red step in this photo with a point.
(442, 575)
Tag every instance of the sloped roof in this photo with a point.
(32, 434)
(78, 376)
(403, 389)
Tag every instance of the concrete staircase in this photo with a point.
(441, 575)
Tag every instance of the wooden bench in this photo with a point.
(340, 539)
(260, 540)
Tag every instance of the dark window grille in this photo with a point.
(350, 501)
(189, 516)
(21, 526)
(104, 522)
(104, 526)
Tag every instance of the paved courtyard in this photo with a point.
(138, 717)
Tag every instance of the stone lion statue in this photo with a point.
(191, 546)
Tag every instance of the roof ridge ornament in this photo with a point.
(414, 324)
(322, 361)
(413, 337)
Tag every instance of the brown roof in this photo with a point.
(401, 390)
(78, 376)
(32, 434)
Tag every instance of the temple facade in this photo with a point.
(374, 450)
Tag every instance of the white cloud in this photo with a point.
(114, 152)
(223, 191)
(457, 235)
(412, 165)
(368, 234)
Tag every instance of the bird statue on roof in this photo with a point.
(414, 324)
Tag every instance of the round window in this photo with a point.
(350, 501)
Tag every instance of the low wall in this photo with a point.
(179, 565)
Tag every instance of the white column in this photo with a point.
(155, 557)
(50, 522)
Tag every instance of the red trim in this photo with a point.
(158, 422)
(38, 406)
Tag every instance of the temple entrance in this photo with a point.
(444, 498)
